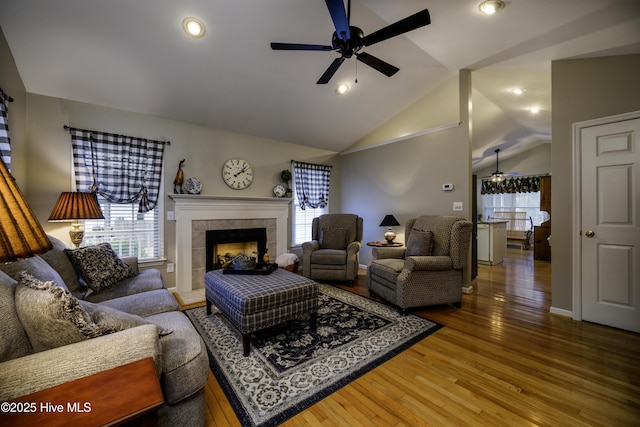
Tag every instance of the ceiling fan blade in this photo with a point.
(339, 18)
(378, 64)
(299, 46)
(405, 25)
(324, 79)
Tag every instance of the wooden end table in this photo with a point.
(384, 244)
(128, 395)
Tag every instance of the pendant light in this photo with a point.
(497, 176)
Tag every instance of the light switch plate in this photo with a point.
(457, 206)
(171, 216)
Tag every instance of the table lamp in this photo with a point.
(72, 207)
(389, 221)
(21, 235)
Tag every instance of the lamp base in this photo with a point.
(389, 235)
(77, 234)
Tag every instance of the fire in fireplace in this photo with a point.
(222, 245)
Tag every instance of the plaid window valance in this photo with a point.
(312, 184)
(5, 148)
(521, 184)
(122, 169)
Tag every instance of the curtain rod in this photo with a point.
(115, 134)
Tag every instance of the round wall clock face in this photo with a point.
(237, 173)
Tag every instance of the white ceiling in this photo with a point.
(133, 55)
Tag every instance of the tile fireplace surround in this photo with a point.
(196, 214)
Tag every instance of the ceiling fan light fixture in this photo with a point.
(194, 27)
(489, 7)
(341, 89)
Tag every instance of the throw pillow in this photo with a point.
(109, 318)
(14, 342)
(420, 243)
(51, 316)
(333, 238)
(99, 266)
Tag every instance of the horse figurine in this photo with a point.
(179, 180)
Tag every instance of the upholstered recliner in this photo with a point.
(429, 270)
(333, 254)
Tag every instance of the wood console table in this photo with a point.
(128, 395)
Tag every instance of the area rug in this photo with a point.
(290, 368)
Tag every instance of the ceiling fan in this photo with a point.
(348, 40)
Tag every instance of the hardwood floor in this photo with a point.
(501, 359)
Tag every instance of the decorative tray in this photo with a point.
(260, 269)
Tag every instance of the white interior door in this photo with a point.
(610, 220)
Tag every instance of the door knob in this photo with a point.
(589, 234)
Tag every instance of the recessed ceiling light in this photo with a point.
(193, 27)
(342, 89)
(517, 91)
(534, 110)
(489, 7)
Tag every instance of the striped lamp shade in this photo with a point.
(21, 235)
(73, 206)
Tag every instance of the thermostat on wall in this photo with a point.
(447, 187)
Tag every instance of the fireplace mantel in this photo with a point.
(190, 208)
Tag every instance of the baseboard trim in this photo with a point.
(561, 312)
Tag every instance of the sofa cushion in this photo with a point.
(329, 257)
(51, 316)
(388, 268)
(144, 303)
(185, 363)
(112, 319)
(37, 267)
(333, 238)
(57, 259)
(14, 342)
(145, 281)
(99, 266)
(420, 243)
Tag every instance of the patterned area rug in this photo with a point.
(290, 368)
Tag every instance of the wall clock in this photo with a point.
(237, 173)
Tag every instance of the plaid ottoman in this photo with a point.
(254, 302)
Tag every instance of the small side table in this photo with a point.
(384, 244)
(128, 395)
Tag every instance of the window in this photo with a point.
(311, 184)
(302, 222)
(516, 202)
(129, 232)
(126, 174)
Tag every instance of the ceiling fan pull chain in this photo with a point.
(356, 72)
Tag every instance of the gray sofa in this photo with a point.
(155, 329)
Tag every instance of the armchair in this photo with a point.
(333, 254)
(429, 270)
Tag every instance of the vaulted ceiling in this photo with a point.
(133, 55)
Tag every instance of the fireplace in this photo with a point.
(194, 215)
(222, 245)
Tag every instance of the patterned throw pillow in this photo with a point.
(333, 238)
(420, 243)
(99, 266)
(51, 316)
